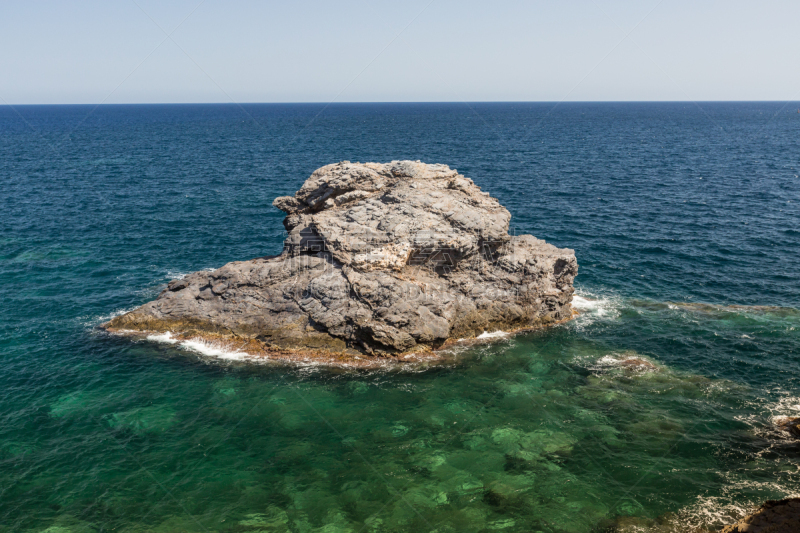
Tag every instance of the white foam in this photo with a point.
(714, 511)
(729, 507)
(593, 308)
(609, 360)
(213, 349)
(164, 337)
(493, 335)
(597, 306)
(765, 416)
(584, 304)
(787, 406)
(203, 347)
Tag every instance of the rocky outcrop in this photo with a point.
(379, 259)
(782, 516)
(790, 426)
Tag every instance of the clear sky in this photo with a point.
(130, 51)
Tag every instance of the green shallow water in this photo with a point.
(547, 431)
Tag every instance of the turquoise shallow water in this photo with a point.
(561, 430)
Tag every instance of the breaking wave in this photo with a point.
(163, 337)
(215, 349)
(593, 307)
(493, 335)
(206, 348)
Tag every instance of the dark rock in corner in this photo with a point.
(781, 516)
(790, 426)
(379, 259)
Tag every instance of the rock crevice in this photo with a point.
(379, 259)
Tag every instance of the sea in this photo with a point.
(656, 409)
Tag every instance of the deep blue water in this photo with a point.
(667, 205)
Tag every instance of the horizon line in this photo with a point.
(556, 102)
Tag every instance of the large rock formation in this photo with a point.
(379, 259)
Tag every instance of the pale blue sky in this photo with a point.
(355, 51)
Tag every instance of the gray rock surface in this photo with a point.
(379, 259)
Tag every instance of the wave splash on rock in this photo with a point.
(379, 259)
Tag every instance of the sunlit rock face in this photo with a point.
(379, 259)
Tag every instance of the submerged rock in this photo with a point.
(380, 259)
(637, 364)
